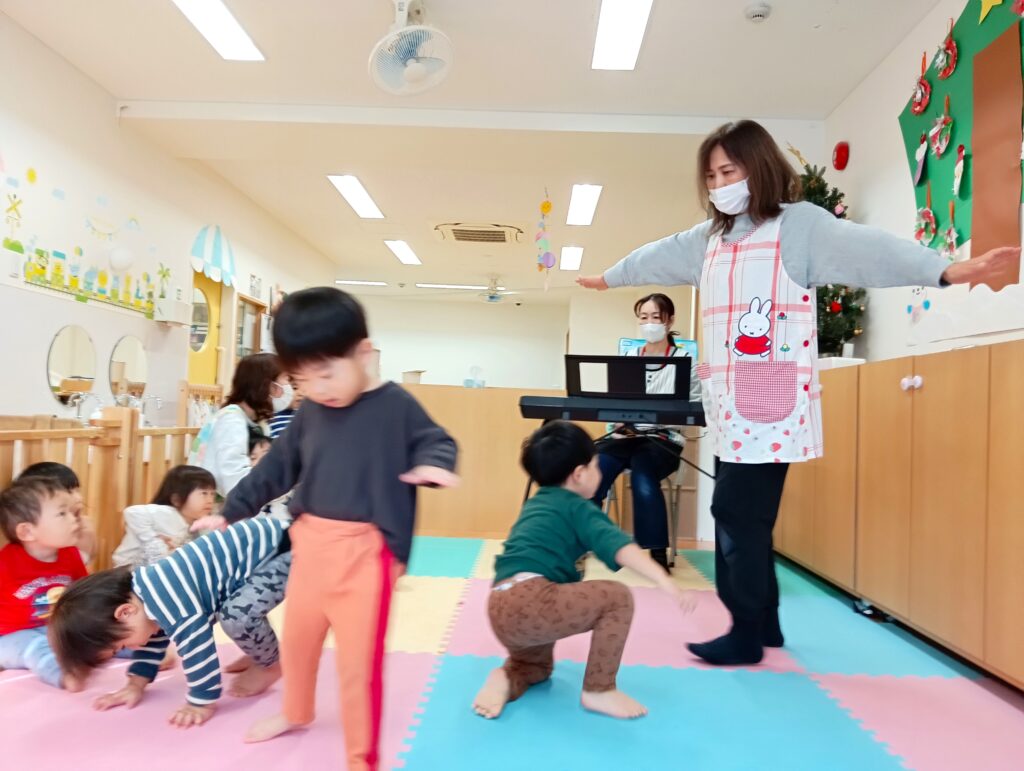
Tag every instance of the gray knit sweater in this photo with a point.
(817, 249)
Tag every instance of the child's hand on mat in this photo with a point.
(592, 282)
(128, 696)
(209, 522)
(430, 476)
(686, 600)
(191, 715)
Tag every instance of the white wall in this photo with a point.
(879, 189)
(517, 347)
(56, 121)
(31, 319)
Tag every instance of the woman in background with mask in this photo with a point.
(258, 390)
(655, 455)
(756, 261)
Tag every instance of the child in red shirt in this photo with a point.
(37, 515)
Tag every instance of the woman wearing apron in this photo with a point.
(756, 260)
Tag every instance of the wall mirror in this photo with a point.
(128, 368)
(71, 363)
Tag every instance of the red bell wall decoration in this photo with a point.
(841, 156)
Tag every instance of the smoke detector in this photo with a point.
(758, 12)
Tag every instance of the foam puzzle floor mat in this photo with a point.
(845, 693)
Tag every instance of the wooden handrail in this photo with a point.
(25, 435)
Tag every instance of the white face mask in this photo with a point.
(653, 333)
(732, 199)
(284, 401)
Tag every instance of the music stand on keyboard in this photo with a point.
(626, 376)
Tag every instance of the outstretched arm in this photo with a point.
(670, 261)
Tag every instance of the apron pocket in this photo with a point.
(765, 390)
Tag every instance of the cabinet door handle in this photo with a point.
(907, 383)
(917, 381)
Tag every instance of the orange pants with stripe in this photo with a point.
(341, 579)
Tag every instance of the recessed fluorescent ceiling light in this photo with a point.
(620, 33)
(353, 282)
(352, 190)
(478, 287)
(222, 30)
(572, 257)
(403, 252)
(582, 204)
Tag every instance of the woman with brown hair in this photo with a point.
(650, 452)
(756, 260)
(259, 388)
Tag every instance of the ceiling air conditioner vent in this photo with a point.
(467, 233)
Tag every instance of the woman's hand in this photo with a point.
(210, 522)
(592, 282)
(997, 266)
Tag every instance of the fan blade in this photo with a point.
(390, 69)
(432, 65)
(408, 43)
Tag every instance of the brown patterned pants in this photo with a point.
(529, 617)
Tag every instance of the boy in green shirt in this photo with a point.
(538, 595)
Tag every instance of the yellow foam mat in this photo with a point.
(485, 562)
(683, 574)
(422, 612)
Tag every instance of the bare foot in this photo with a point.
(238, 665)
(170, 659)
(269, 728)
(613, 703)
(255, 681)
(72, 684)
(491, 699)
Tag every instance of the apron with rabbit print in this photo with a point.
(759, 376)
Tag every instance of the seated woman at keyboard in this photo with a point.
(655, 456)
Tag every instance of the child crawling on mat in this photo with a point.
(538, 595)
(178, 599)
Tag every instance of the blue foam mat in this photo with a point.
(699, 719)
(444, 557)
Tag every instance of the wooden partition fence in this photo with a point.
(117, 462)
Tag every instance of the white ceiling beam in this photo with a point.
(798, 131)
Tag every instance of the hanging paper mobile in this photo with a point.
(545, 259)
(949, 237)
(926, 227)
(958, 170)
(922, 90)
(921, 155)
(945, 57)
(941, 132)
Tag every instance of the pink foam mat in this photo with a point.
(657, 639)
(937, 723)
(61, 730)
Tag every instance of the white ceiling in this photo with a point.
(422, 177)
(514, 61)
(700, 57)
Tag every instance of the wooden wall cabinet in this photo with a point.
(948, 495)
(1004, 555)
(818, 513)
(936, 536)
(884, 422)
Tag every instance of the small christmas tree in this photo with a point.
(840, 308)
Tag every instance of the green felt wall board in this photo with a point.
(971, 37)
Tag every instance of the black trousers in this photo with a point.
(745, 506)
